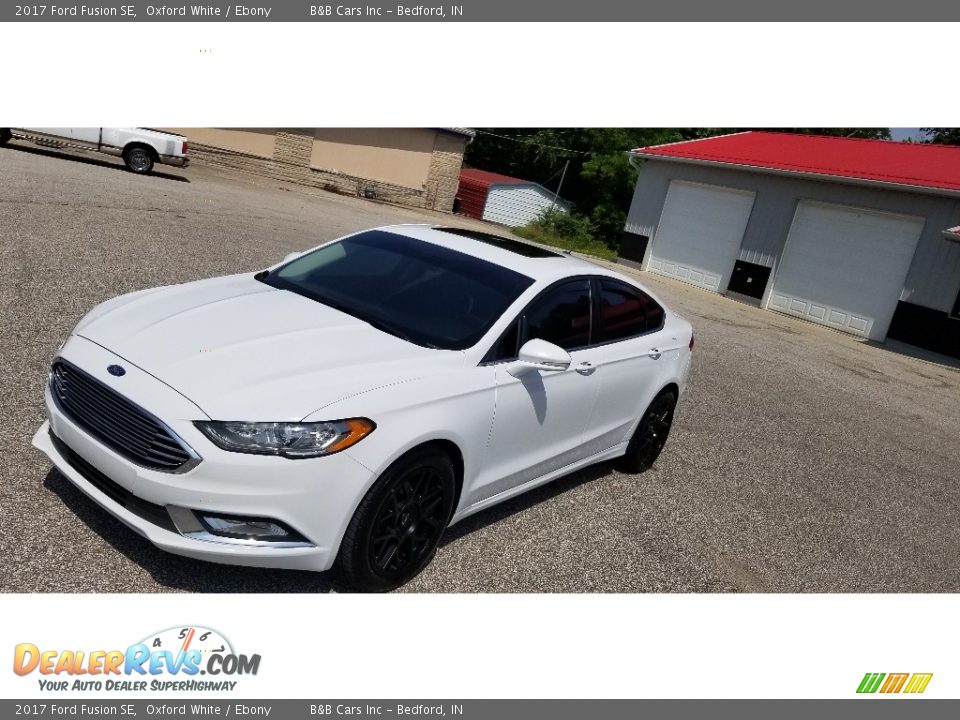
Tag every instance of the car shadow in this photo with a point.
(176, 572)
(525, 500)
(80, 158)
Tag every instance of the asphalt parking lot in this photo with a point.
(801, 461)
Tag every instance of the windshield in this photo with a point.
(423, 293)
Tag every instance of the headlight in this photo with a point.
(289, 439)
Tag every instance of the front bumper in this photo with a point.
(315, 497)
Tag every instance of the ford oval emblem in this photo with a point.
(116, 370)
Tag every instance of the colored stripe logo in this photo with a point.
(913, 683)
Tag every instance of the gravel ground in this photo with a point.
(801, 460)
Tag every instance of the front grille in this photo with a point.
(156, 514)
(121, 425)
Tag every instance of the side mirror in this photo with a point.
(291, 256)
(540, 355)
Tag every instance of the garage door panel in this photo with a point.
(699, 235)
(817, 312)
(844, 267)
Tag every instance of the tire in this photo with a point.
(397, 527)
(138, 159)
(5, 136)
(651, 434)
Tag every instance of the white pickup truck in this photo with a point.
(140, 148)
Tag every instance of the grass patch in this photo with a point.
(587, 246)
(565, 231)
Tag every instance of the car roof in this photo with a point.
(541, 264)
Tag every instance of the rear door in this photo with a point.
(87, 135)
(636, 351)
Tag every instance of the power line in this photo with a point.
(544, 182)
(526, 141)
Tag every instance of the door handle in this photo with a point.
(586, 368)
(654, 353)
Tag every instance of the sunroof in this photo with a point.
(514, 246)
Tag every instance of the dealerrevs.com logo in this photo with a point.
(173, 660)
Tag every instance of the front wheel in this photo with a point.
(395, 531)
(651, 434)
(138, 160)
(5, 136)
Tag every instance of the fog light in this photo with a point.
(247, 528)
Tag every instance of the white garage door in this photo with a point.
(845, 267)
(699, 235)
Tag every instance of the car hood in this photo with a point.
(242, 350)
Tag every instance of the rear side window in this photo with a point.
(561, 316)
(627, 312)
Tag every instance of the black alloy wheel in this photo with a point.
(397, 527)
(651, 434)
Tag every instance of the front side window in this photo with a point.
(627, 312)
(561, 316)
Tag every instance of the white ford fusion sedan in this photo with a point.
(345, 406)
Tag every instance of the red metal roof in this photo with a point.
(915, 165)
(484, 177)
(474, 186)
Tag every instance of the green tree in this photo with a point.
(946, 136)
(592, 162)
(867, 133)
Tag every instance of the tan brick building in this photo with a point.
(419, 167)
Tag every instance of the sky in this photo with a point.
(906, 134)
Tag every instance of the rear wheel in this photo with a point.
(5, 136)
(395, 531)
(651, 434)
(138, 159)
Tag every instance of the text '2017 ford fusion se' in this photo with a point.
(348, 404)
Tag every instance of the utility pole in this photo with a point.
(556, 195)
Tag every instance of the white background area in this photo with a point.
(520, 646)
(426, 74)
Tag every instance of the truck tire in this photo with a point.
(5, 136)
(138, 159)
